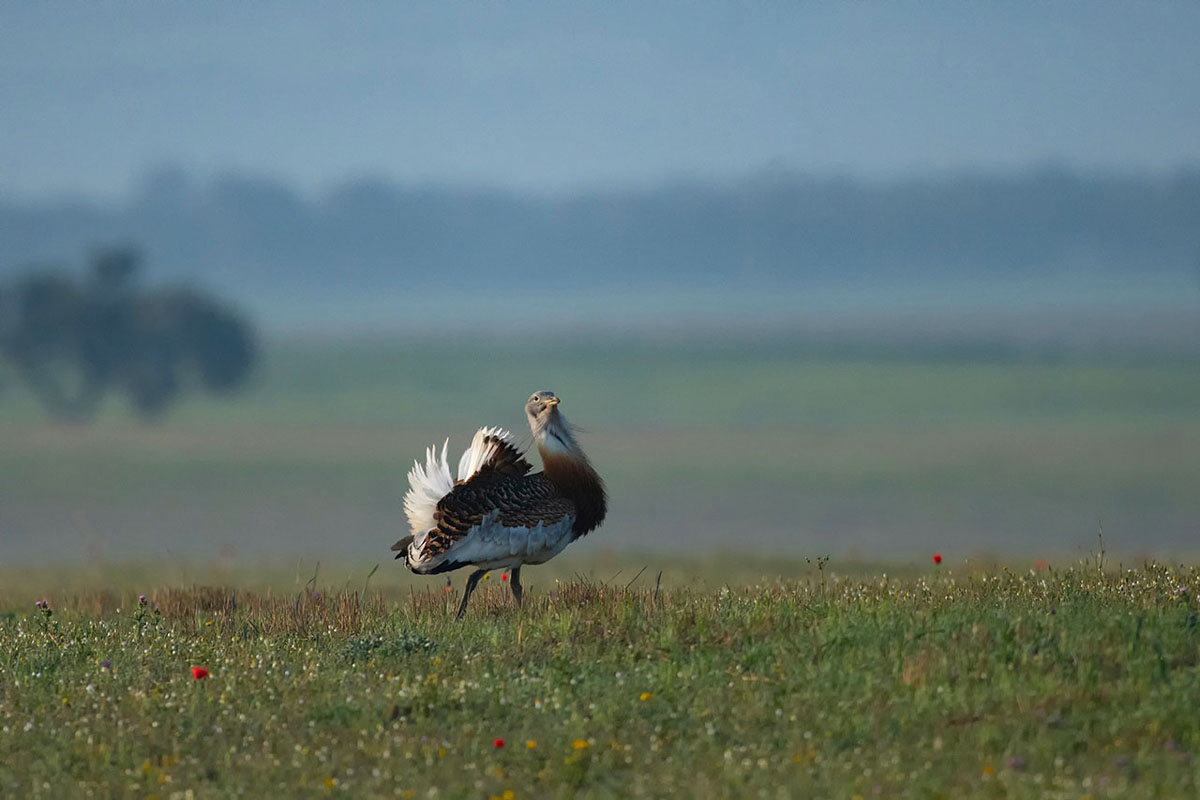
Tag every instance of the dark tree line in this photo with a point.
(72, 341)
(253, 234)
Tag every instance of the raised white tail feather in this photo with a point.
(480, 452)
(427, 485)
(430, 482)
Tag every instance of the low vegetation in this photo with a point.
(1046, 683)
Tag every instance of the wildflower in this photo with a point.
(487, 576)
(199, 673)
(504, 577)
(1016, 762)
(937, 558)
(988, 769)
(580, 744)
(509, 794)
(106, 664)
(531, 745)
(644, 696)
(141, 599)
(497, 743)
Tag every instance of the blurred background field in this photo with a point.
(733, 449)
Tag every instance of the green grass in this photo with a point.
(1051, 683)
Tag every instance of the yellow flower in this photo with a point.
(330, 783)
(509, 794)
(531, 744)
(988, 769)
(646, 696)
(580, 744)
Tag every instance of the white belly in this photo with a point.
(491, 545)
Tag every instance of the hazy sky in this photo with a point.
(555, 96)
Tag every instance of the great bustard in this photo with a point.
(496, 515)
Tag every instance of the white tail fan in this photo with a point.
(427, 485)
(430, 482)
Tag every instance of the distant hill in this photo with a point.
(764, 231)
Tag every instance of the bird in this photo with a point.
(495, 514)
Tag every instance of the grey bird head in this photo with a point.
(540, 408)
(551, 432)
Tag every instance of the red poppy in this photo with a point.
(937, 558)
(497, 743)
(199, 673)
(504, 577)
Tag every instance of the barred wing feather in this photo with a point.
(492, 518)
(491, 455)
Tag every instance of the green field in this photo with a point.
(758, 447)
(754, 669)
(1064, 683)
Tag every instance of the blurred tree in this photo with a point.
(72, 341)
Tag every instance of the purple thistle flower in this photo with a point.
(141, 599)
(1016, 762)
(106, 664)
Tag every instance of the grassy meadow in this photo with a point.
(699, 644)
(954, 682)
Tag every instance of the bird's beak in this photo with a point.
(552, 402)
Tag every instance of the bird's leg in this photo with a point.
(471, 581)
(514, 580)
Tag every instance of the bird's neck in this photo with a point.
(566, 466)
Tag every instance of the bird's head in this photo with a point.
(549, 428)
(539, 409)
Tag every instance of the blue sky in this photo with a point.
(552, 97)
